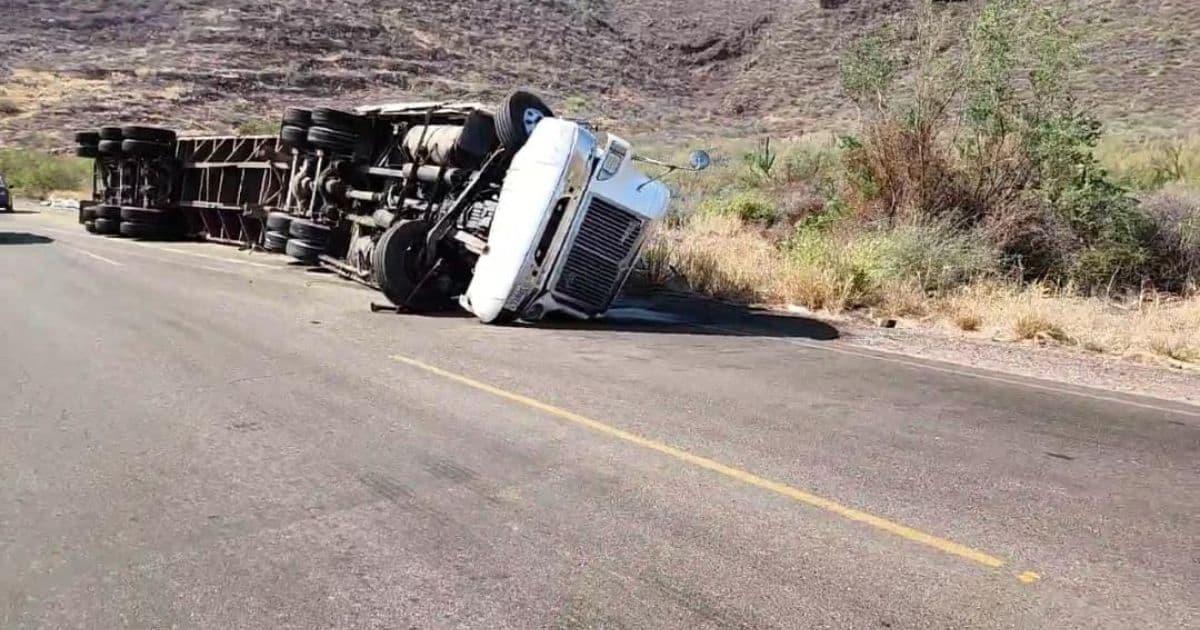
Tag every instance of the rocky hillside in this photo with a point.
(699, 66)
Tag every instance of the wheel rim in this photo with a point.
(531, 119)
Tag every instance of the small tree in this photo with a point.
(985, 129)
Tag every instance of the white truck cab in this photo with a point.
(569, 227)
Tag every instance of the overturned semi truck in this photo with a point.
(508, 212)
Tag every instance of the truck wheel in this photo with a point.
(87, 151)
(107, 226)
(336, 120)
(517, 117)
(145, 148)
(137, 229)
(113, 213)
(90, 225)
(279, 222)
(144, 215)
(332, 139)
(275, 242)
(87, 138)
(110, 133)
(398, 269)
(295, 137)
(303, 250)
(147, 134)
(297, 117)
(310, 231)
(109, 147)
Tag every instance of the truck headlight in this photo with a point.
(612, 162)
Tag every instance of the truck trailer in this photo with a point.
(508, 212)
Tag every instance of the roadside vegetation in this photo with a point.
(35, 174)
(975, 193)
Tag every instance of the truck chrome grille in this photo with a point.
(600, 256)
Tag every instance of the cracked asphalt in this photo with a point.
(197, 437)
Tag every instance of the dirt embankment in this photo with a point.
(702, 67)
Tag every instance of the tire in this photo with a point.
(310, 231)
(137, 229)
(297, 117)
(87, 138)
(90, 225)
(110, 133)
(332, 140)
(109, 147)
(275, 242)
(279, 222)
(88, 150)
(295, 137)
(147, 134)
(396, 263)
(336, 120)
(145, 215)
(143, 148)
(112, 213)
(107, 226)
(518, 115)
(303, 250)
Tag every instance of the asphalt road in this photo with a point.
(193, 436)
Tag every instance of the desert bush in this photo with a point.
(814, 164)
(987, 136)
(877, 260)
(1175, 214)
(36, 173)
(870, 68)
(901, 172)
(751, 206)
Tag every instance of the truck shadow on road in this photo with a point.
(679, 314)
(23, 238)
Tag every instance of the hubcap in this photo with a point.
(532, 118)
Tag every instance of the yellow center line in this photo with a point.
(731, 472)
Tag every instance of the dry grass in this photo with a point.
(1153, 326)
(1147, 161)
(721, 256)
(968, 321)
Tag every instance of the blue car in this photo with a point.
(5, 196)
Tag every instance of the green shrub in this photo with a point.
(871, 67)
(749, 206)
(36, 173)
(1106, 265)
(988, 135)
(873, 260)
(813, 164)
(760, 163)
